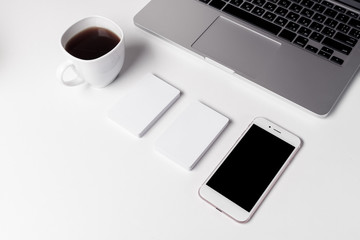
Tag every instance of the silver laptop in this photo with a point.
(306, 51)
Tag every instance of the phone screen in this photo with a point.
(250, 167)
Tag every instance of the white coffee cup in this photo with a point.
(98, 72)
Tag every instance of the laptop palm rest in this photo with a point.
(220, 42)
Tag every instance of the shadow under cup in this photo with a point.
(101, 70)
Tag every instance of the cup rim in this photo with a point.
(63, 43)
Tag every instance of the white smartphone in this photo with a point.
(250, 169)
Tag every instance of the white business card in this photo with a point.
(144, 105)
(191, 135)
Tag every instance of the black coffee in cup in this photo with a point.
(92, 43)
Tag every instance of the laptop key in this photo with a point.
(288, 35)
(295, 8)
(331, 23)
(281, 21)
(292, 16)
(304, 31)
(270, 6)
(337, 60)
(345, 39)
(316, 36)
(236, 2)
(328, 31)
(301, 41)
(324, 54)
(342, 18)
(354, 23)
(307, 12)
(343, 28)
(319, 8)
(247, 6)
(284, 3)
(217, 4)
(259, 2)
(352, 14)
(304, 21)
(327, 50)
(327, 4)
(292, 26)
(269, 16)
(319, 17)
(307, 3)
(337, 46)
(340, 9)
(311, 48)
(248, 17)
(331, 13)
(316, 26)
(281, 11)
(258, 11)
(355, 33)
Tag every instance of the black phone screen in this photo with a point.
(250, 167)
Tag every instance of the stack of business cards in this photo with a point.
(144, 105)
(190, 136)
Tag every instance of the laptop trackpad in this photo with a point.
(236, 47)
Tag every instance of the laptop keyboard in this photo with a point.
(318, 26)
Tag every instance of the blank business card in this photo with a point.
(144, 105)
(190, 136)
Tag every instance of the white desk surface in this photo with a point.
(68, 172)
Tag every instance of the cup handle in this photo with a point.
(61, 71)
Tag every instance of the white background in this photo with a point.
(67, 172)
